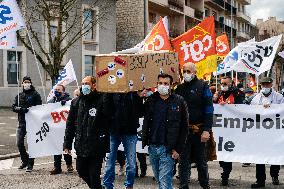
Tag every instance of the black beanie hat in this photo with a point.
(27, 78)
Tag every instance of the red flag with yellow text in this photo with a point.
(158, 39)
(222, 47)
(252, 82)
(198, 45)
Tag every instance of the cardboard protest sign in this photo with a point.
(133, 72)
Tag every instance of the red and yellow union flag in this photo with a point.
(222, 47)
(158, 39)
(198, 45)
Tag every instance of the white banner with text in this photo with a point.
(249, 134)
(46, 129)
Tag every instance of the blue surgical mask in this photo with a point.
(163, 89)
(188, 77)
(57, 94)
(149, 93)
(86, 89)
(265, 91)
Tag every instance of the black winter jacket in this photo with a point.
(199, 101)
(126, 111)
(177, 122)
(87, 122)
(27, 98)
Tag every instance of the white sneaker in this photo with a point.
(121, 171)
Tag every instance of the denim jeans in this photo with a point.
(162, 165)
(129, 144)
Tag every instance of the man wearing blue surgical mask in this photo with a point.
(164, 130)
(200, 109)
(87, 122)
(61, 96)
(266, 97)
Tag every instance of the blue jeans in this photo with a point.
(129, 144)
(162, 165)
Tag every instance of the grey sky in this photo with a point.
(265, 8)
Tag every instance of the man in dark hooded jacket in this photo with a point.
(61, 96)
(28, 98)
(87, 122)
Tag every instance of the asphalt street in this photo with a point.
(12, 178)
(8, 126)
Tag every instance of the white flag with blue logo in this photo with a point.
(257, 57)
(231, 59)
(11, 18)
(8, 41)
(66, 76)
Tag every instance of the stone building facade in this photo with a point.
(269, 28)
(82, 53)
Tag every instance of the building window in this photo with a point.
(152, 18)
(53, 31)
(89, 24)
(214, 13)
(12, 69)
(89, 65)
(207, 12)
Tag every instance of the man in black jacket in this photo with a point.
(29, 97)
(126, 111)
(164, 129)
(200, 108)
(87, 122)
(61, 96)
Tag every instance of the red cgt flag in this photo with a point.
(198, 45)
(222, 45)
(158, 39)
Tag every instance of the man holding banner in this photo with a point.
(61, 96)
(88, 124)
(228, 95)
(26, 99)
(266, 97)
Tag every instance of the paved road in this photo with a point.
(40, 178)
(8, 126)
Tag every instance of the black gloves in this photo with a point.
(63, 102)
(25, 110)
(21, 110)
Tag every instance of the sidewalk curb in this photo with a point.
(9, 156)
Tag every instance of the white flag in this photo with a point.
(257, 57)
(66, 76)
(11, 18)
(231, 59)
(9, 41)
(281, 54)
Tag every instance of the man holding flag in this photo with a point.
(29, 97)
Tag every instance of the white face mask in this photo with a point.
(188, 77)
(265, 91)
(163, 89)
(27, 86)
(224, 88)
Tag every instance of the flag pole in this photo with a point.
(37, 64)
(18, 80)
(257, 89)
